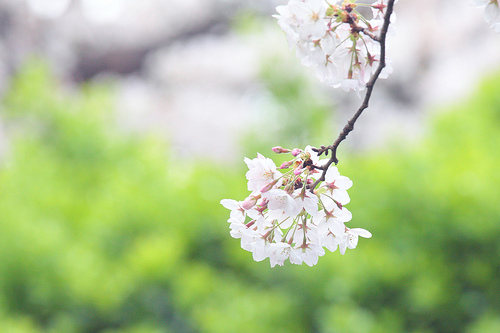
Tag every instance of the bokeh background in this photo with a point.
(123, 123)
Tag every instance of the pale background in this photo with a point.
(181, 69)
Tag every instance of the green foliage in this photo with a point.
(106, 231)
(435, 208)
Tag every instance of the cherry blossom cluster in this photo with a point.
(284, 217)
(491, 12)
(335, 39)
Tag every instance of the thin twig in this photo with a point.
(369, 89)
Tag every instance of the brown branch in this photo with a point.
(369, 89)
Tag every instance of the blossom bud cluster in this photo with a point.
(335, 39)
(491, 12)
(285, 218)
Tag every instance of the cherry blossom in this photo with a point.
(335, 188)
(335, 39)
(262, 171)
(285, 218)
(296, 211)
(350, 238)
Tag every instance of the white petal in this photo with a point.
(310, 258)
(260, 253)
(352, 240)
(249, 162)
(336, 227)
(491, 12)
(230, 204)
(341, 196)
(237, 230)
(343, 245)
(361, 232)
(343, 215)
(332, 174)
(296, 256)
(343, 182)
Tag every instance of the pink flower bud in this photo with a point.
(285, 165)
(249, 202)
(297, 171)
(280, 150)
(296, 151)
(249, 224)
(262, 206)
(269, 186)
